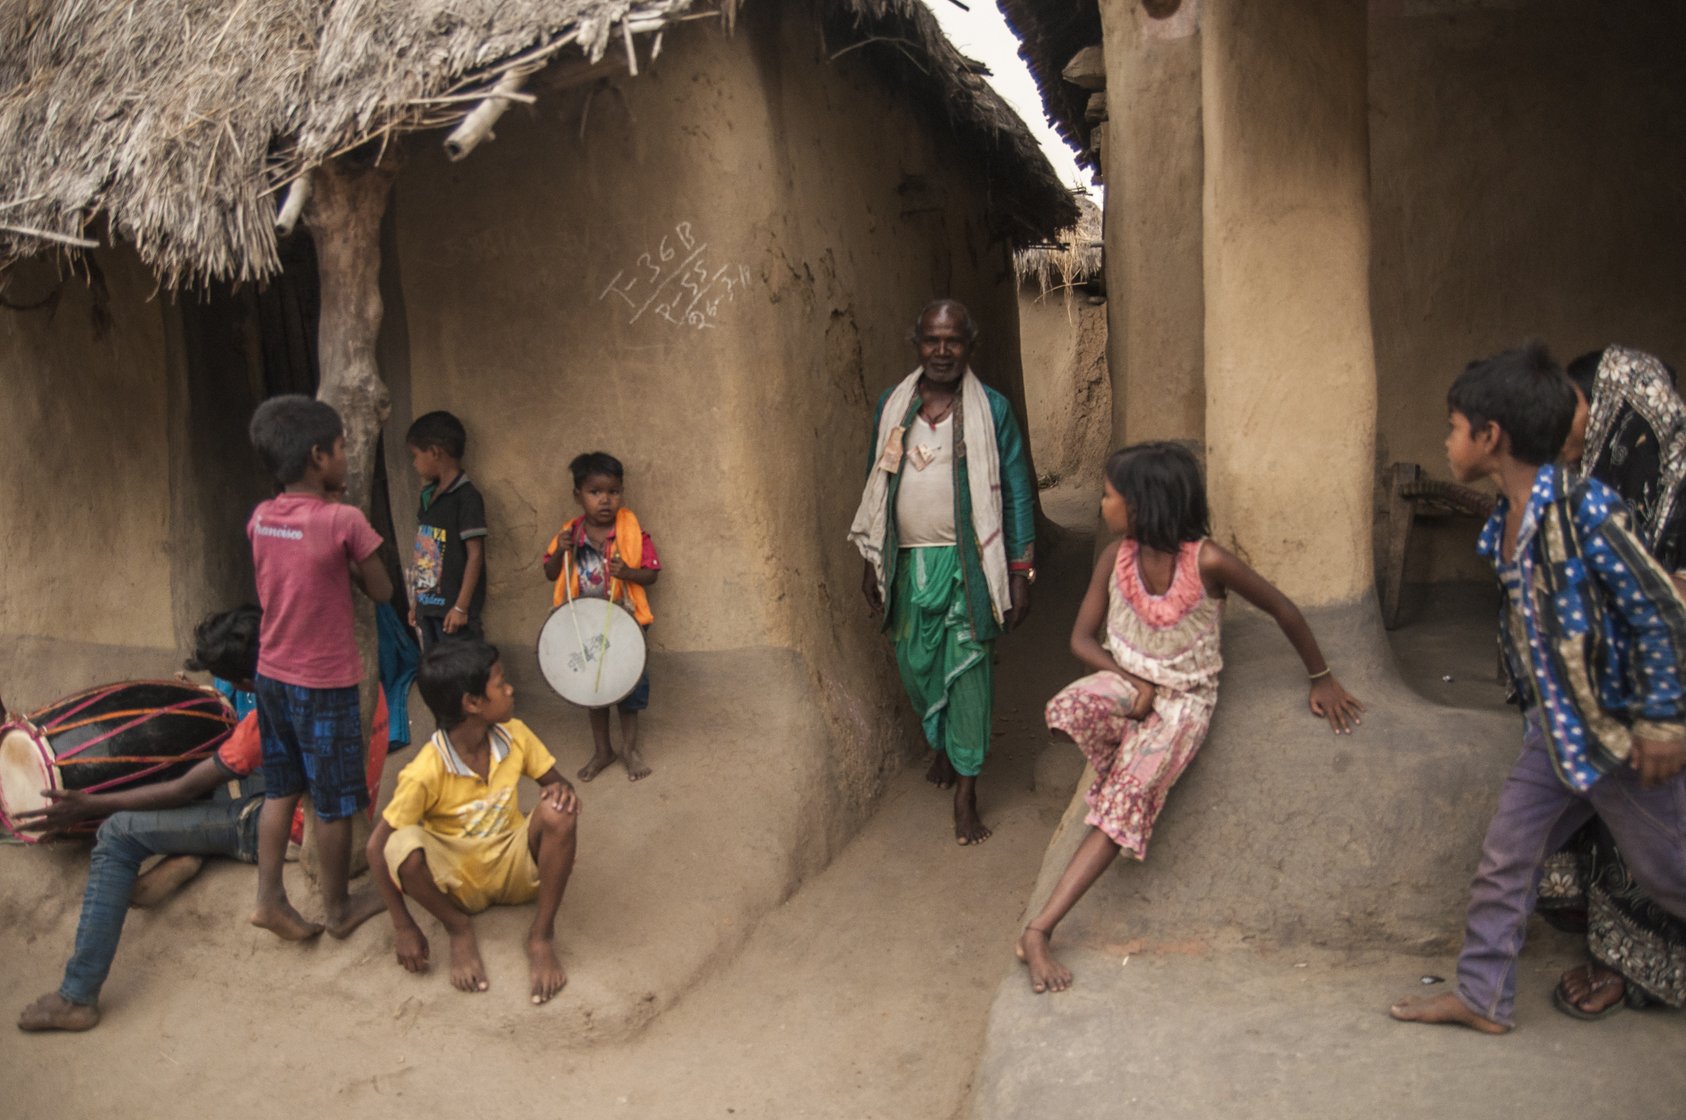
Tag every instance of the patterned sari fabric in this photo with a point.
(1636, 445)
(1170, 640)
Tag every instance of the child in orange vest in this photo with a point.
(605, 554)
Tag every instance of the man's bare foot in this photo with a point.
(1590, 991)
(163, 879)
(52, 1012)
(636, 768)
(941, 773)
(1046, 973)
(968, 827)
(546, 971)
(1443, 1008)
(467, 973)
(284, 922)
(599, 762)
(358, 909)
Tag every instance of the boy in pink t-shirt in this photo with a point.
(307, 549)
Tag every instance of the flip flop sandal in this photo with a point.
(1560, 998)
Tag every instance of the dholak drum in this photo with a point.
(591, 652)
(106, 738)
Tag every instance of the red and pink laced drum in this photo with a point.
(106, 738)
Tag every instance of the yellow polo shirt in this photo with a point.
(440, 793)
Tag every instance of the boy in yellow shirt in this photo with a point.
(454, 838)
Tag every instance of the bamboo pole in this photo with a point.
(477, 126)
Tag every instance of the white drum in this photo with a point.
(591, 652)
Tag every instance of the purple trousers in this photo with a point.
(1536, 814)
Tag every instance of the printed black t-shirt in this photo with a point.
(443, 524)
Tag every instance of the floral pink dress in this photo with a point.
(1172, 641)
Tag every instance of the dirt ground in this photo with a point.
(865, 994)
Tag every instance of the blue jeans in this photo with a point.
(1536, 814)
(210, 828)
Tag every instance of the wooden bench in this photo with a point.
(1409, 496)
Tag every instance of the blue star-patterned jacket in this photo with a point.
(1593, 632)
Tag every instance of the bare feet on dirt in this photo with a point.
(1443, 1008)
(1046, 973)
(968, 827)
(636, 768)
(546, 971)
(358, 909)
(163, 879)
(1592, 989)
(467, 973)
(285, 922)
(941, 774)
(52, 1012)
(599, 762)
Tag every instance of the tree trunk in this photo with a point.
(343, 216)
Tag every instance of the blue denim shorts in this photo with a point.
(639, 698)
(313, 741)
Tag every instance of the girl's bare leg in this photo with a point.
(1093, 856)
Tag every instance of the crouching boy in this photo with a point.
(454, 838)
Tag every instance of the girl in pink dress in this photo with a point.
(1143, 713)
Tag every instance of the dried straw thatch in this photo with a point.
(1050, 32)
(179, 122)
(1074, 256)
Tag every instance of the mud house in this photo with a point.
(1316, 212)
(696, 241)
(689, 234)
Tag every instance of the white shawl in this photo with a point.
(983, 477)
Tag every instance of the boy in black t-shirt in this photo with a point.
(450, 557)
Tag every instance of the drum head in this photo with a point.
(25, 770)
(591, 652)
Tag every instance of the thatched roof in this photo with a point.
(1050, 32)
(1073, 256)
(179, 122)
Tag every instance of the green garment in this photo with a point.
(1018, 506)
(948, 673)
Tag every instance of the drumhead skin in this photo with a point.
(591, 651)
(25, 770)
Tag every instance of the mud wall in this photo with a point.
(1525, 170)
(1152, 227)
(126, 485)
(1068, 395)
(710, 271)
(84, 472)
(1287, 240)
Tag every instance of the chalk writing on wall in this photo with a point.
(679, 282)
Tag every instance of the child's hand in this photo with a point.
(1145, 693)
(1335, 704)
(618, 568)
(411, 945)
(1657, 760)
(561, 797)
(455, 619)
(65, 807)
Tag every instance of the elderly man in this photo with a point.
(947, 528)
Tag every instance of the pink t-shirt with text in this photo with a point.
(302, 547)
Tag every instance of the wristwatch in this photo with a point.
(1028, 572)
